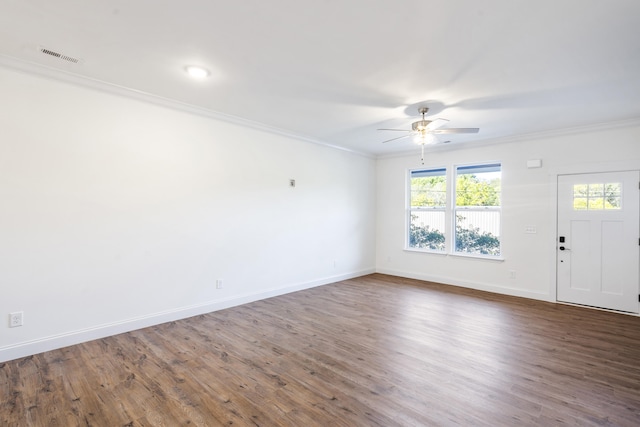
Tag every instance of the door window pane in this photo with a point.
(612, 196)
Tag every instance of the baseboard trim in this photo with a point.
(28, 348)
(466, 284)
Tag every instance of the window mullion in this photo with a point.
(449, 209)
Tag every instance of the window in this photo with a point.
(462, 219)
(597, 196)
(477, 209)
(427, 204)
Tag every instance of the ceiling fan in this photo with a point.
(422, 130)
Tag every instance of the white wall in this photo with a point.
(529, 199)
(118, 213)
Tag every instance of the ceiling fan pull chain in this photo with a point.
(422, 157)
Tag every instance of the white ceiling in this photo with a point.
(335, 71)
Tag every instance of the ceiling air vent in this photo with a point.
(59, 55)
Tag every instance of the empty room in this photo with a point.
(409, 213)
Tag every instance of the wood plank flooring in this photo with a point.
(372, 351)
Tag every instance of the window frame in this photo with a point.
(450, 209)
(455, 208)
(410, 210)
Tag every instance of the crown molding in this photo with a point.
(114, 89)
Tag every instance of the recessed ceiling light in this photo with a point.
(197, 72)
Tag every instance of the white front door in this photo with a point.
(598, 242)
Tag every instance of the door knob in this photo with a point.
(562, 248)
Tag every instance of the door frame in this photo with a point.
(603, 167)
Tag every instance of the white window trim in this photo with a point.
(409, 210)
(450, 209)
(455, 208)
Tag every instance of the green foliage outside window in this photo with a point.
(472, 191)
(430, 191)
(472, 240)
(469, 240)
(424, 237)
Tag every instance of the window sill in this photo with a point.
(425, 251)
(482, 257)
(457, 254)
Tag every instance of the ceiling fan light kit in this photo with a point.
(423, 125)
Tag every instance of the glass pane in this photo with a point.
(580, 190)
(613, 189)
(580, 203)
(613, 203)
(613, 196)
(426, 230)
(596, 190)
(596, 203)
(428, 191)
(478, 185)
(478, 232)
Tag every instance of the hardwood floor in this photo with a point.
(372, 351)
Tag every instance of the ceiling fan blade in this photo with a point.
(455, 130)
(436, 123)
(393, 139)
(400, 130)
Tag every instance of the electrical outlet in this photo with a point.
(219, 284)
(512, 274)
(15, 319)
